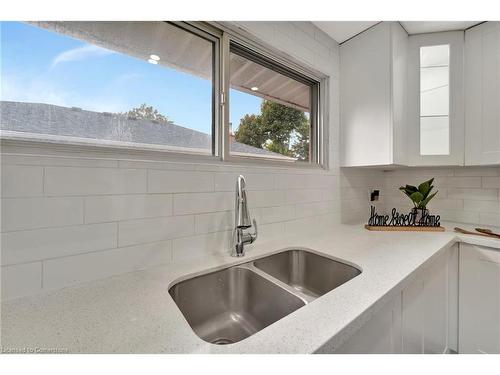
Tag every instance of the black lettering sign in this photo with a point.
(396, 219)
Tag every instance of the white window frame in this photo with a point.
(319, 139)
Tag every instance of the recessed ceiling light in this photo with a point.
(154, 57)
(255, 88)
(151, 61)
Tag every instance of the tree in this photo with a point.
(146, 112)
(277, 128)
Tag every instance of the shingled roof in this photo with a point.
(51, 119)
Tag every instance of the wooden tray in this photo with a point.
(405, 229)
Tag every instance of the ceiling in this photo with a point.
(343, 30)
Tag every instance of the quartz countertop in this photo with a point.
(133, 312)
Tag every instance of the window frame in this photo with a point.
(213, 35)
(257, 52)
(222, 35)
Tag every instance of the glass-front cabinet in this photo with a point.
(436, 99)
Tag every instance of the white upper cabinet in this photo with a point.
(436, 99)
(373, 97)
(482, 94)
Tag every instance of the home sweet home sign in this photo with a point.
(414, 220)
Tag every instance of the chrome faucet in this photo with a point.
(242, 221)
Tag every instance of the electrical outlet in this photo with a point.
(374, 195)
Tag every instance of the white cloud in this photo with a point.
(41, 90)
(80, 53)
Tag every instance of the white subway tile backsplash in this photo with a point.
(316, 208)
(139, 231)
(491, 182)
(31, 213)
(21, 279)
(21, 181)
(443, 204)
(269, 232)
(160, 181)
(96, 265)
(124, 207)
(268, 198)
(93, 181)
(189, 248)
(198, 203)
(304, 195)
(227, 181)
(31, 245)
(58, 161)
(275, 214)
(482, 206)
(214, 222)
(140, 164)
(477, 171)
(309, 224)
(290, 181)
(473, 194)
(458, 182)
(489, 219)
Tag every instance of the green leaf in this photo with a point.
(425, 201)
(424, 188)
(416, 197)
(411, 188)
(430, 189)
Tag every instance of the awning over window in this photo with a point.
(188, 53)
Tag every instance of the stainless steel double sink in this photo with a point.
(227, 306)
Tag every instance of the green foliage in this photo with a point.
(277, 128)
(146, 112)
(421, 195)
(250, 131)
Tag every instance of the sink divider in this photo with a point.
(250, 266)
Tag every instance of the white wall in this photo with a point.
(466, 194)
(70, 217)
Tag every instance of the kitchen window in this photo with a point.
(132, 84)
(188, 88)
(271, 108)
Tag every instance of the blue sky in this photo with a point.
(41, 66)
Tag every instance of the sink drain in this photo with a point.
(222, 341)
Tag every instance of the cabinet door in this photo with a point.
(429, 307)
(365, 90)
(420, 319)
(380, 335)
(482, 94)
(479, 312)
(436, 99)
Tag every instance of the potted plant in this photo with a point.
(420, 196)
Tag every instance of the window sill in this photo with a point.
(13, 142)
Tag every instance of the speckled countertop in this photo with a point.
(133, 313)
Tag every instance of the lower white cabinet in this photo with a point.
(479, 307)
(422, 318)
(429, 308)
(380, 335)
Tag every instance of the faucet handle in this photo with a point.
(253, 237)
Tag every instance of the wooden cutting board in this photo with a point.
(405, 229)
